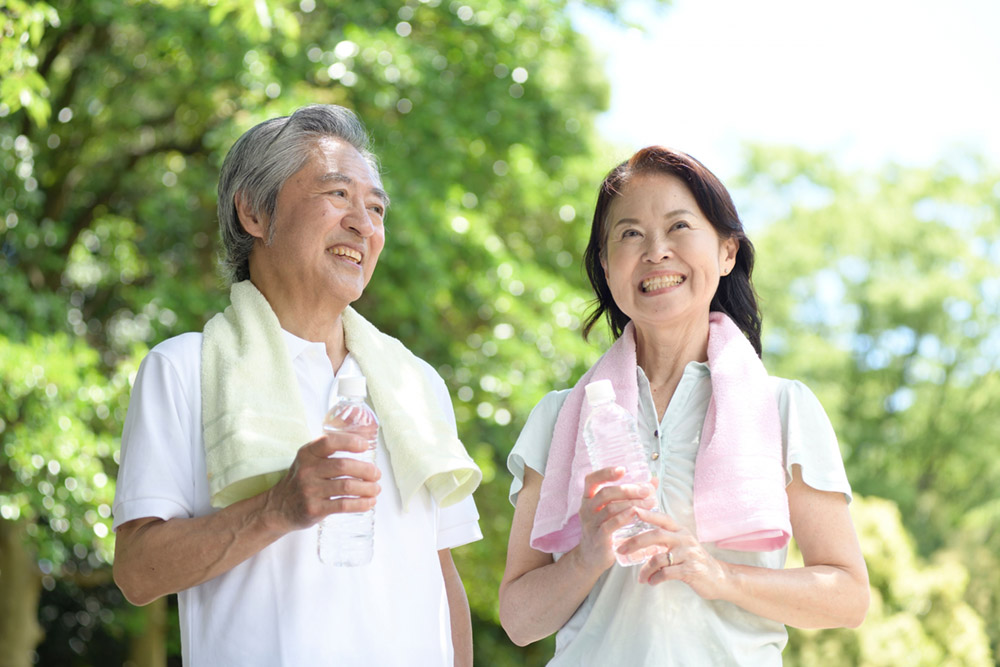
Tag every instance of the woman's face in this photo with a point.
(663, 258)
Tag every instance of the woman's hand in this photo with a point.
(539, 594)
(605, 508)
(683, 558)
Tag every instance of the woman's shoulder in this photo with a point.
(547, 409)
(795, 395)
(531, 450)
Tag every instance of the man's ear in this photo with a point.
(251, 222)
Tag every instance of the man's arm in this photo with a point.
(154, 557)
(458, 605)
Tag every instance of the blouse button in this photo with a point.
(656, 455)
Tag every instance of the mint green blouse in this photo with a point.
(622, 622)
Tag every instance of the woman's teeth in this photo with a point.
(659, 282)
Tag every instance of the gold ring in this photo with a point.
(670, 559)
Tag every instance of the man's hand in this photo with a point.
(154, 557)
(319, 483)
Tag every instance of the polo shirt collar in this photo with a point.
(297, 346)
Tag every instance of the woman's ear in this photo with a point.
(728, 250)
(250, 221)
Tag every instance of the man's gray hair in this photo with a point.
(260, 162)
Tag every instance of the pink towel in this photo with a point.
(739, 479)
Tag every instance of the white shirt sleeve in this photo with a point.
(532, 447)
(155, 476)
(458, 524)
(809, 439)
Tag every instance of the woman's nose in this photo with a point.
(658, 247)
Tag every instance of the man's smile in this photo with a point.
(344, 251)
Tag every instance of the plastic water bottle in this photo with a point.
(612, 440)
(348, 539)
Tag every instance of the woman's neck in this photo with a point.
(663, 353)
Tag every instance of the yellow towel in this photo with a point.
(254, 420)
(253, 417)
(423, 445)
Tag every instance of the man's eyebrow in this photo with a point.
(338, 177)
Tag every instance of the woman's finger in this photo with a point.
(658, 519)
(661, 567)
(598, 479)
(639, 494)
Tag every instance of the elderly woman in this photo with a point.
(738, 459)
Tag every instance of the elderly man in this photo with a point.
(226, 472)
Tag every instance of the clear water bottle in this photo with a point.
(348, 539)
(612, 439)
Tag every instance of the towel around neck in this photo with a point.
(739, 487)
(253, 416)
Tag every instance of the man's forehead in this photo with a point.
(336, 160)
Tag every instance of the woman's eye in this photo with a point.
(681, 224)
(629, 233)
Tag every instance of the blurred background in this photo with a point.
(859, 141)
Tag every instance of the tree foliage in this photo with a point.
(114, 117)
(882, 291)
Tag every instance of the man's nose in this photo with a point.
(358, 219)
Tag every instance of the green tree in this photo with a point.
(113, 120)
(918, 613)
(56, 420)
(882, 291)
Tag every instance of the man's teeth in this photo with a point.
(659, 282)
(353, 255)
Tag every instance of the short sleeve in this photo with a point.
(459, 523)
(532, 447)
(156, 474)
(809, 439)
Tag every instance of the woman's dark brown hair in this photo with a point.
(735, 295)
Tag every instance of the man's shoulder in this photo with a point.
(428, 370)
(180, 350)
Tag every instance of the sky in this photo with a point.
(870, 81)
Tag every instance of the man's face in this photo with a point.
(328, 229)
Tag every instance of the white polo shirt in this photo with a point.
(282, 606)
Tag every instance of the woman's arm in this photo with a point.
(537, 594)
(829, 591)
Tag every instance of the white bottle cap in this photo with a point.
(352, 386)
(600, 391)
